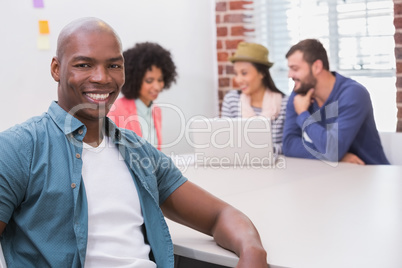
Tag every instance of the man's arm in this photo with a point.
(293, 144)
(347, 114)
(15, 160)
(196, 208)
(332, 141)
(2, 227)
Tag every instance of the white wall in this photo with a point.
(186, 28)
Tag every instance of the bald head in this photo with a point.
(80, 26)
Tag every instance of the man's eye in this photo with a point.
(82, 65)
(115, 66)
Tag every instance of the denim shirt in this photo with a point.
(42, 194)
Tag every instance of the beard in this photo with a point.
(308, 83)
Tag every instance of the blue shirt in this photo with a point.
(43, 199)
(345, 123)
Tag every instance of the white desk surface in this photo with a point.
(309, 214)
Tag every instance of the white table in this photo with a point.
(309, 214)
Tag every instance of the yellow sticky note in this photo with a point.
(43, 42)
(43, 27)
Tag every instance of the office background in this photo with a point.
(201, 34)
(27, 87)
(362, 37)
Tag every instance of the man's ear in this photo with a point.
(317, 67)
(55, 69)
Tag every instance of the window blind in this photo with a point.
(358, 34)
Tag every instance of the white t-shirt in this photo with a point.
(115, 221)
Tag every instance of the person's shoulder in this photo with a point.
(128, 135)
(25, 133)
(232, 96)
(349, 83)
(130, 139)
(233, 93)
(350, 92)
(123, 102)
(33, 124)
(121, 106)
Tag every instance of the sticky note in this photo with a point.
(43, 27)
(38, 3)
(43, 42)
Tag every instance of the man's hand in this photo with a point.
(253, 257)
(352, 158)
(302, 103)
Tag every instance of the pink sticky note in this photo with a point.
(38, 3)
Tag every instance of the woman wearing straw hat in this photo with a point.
(258, 95)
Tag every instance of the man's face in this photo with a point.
(300, 72)
(90, 74)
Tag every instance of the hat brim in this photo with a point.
(237, 58)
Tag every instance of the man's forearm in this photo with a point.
(235, 231)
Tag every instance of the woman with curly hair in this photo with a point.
(149, 69)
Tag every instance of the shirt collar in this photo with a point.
(65, 121)
(69, 124)
(112, 130)
(142, 108)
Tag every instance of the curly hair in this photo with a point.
(139, 59)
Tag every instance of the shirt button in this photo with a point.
(80, 131)
(73, 185)
(78, 156)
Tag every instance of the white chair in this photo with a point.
(392, 144)
(2, 261)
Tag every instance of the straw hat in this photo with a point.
(251, 52)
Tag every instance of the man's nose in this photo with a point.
(100, 75)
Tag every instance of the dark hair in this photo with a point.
(267, 79)
(312, 50)
(139, 59)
